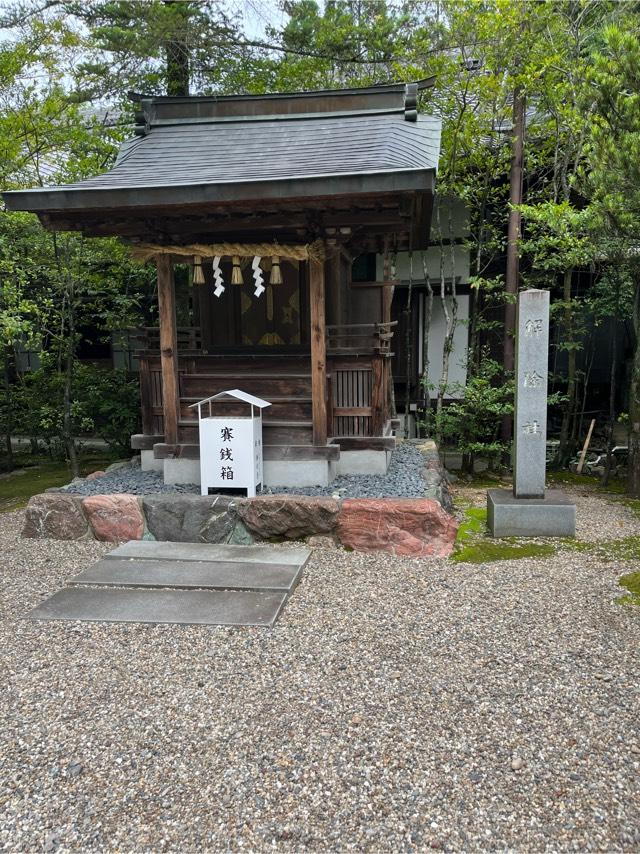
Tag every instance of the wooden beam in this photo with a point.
(318, 353)
(168, 349)
(141, 442)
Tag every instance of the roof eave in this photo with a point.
(44, 201)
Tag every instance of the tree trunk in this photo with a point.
(8, 427)
(426, 332)
(67, 425)
(513, 244)
(450, 317)
(565, 449)
(409, 348)
(633, 476)
(612, 401)
(177, 50)
(473, 360)
(389, 273)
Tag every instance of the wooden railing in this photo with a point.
(358, 377)
(358, 394)
(151, 395)
(147, 339)
(356, 338)
(358, 364)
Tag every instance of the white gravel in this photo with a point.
(397, 705)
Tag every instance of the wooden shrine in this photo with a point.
(268, 200)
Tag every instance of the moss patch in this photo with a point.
(630, 582)
(573, 545)
(633, 503)
(474, 522)
(624, 549)
(562, 476)
(17, 488)
(628, 548)
(486, 551)
(485, 481)
(473, 545)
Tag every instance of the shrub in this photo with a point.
(104, 403)
(473, 422)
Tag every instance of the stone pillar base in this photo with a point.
(551, 516)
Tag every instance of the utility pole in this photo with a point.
(513, 241)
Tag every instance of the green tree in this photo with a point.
(613, 175)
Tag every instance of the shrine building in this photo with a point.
(257, 212)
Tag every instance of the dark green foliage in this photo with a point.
(472, 423)
(104, 403)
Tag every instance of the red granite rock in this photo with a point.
(402, 526)
(55, 516)
(95, 474)
(114, 518)
(289, 516)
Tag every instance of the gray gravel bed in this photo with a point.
(398, 705)
(403, 479)
(129, 479)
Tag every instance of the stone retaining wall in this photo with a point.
(403, 526)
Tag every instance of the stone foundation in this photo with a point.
(414, 527)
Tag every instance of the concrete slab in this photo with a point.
(184, 607)
(295, 473)
(163, 550)
(149, 463)
(362, 462)
(181, 470)
(551, 516)
(223, 575)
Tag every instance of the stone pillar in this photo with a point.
(526, 511)
(530, 420)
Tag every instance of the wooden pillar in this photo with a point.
(168, 348)
(144, 374)
(318, 353)
(333, 274)
(377, 395)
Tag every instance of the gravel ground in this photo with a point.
(399, 704)
(403, 479)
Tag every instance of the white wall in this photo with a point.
(458, 270)
(460, 267)
(457, 359)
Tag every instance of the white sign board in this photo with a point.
(231, 446)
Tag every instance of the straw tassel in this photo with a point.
(236, 272)
(276, 273)
(198, 275)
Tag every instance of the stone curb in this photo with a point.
(405, 526)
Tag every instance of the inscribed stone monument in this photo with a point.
(527, 511)
(530, 420)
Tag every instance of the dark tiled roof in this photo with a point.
(265, 150)
(256, 156)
